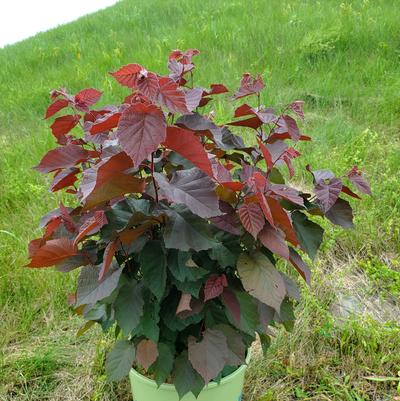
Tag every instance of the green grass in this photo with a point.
(342, 58)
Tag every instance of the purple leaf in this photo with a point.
(249, 86)
(192, 188)
(297, 107)
(290, 126)
(288, 193)
(193, 98)
(231, 302)
(274, 240)
(228, 223)
(322, 175)
(328, 192)
(358, 179)
(208, 357)
(341, 214)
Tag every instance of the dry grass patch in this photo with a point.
(329, 356)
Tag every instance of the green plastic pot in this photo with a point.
(229, 389)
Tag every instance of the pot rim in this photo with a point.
(170, 387)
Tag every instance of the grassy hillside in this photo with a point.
(342, 58)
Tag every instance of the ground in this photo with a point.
(342, 58)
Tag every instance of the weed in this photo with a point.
(384, 275)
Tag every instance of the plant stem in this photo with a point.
(152, 176)
(277, 120)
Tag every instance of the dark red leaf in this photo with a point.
(48, 217)
(358, 179)
(130, 235)
(204, 101)
(217, 89)
(128, 75)
(292, 127)
(233, 185)
(253, 122)
(108, 256)
(287, 157)
(244, 110)
(349, 192)
(247, 172)
(171, 96)
(292, 153)
(141, 129)
(184, 57)
(34, 245)
(68, 220)
(288, 193)
(106, 123)
(109, 187)
(91, 225)
(258, 180)
(249, 86)
(135, 97)
(86, 97)
(107, 180)
(274, 240)
(231, 302)
(63, 125)
(55, 107)
(266, 154)
(208, 357)
(64, 179)
(297, 107)
(341, 214)
(288, 162)
(149, 86)
(52, 252)
(196, 122)
(214, 286)
(282, 220)
(61, 92)
(252, 218)
(93, 115)
(52, 226)
(188, 145)
(287, 124)
(62, 157)
(265, 208)
(178, 70)
(305, 138)
(221, 173)
(264, 115)
(300, 266)
(229, 221)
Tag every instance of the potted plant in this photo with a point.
(177, 224)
